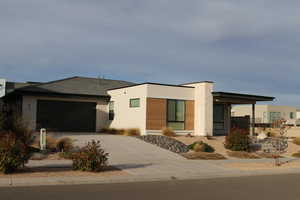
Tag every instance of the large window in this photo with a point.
(111, 113)
(134, 103)
(176, 114)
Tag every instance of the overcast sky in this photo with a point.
(244, 46)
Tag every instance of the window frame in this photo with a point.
(132, 99)
(184, 114)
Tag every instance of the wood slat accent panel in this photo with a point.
(189, 115)
(156, 114)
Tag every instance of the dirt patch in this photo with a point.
(243, 155)
(62, 172)
(262, 166)
(203, 156)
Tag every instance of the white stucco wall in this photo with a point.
(2, 87)
(125, 116)
(203, 121)
(29, 110)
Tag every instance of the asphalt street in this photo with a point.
(275, 187)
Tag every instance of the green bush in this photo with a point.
(237, 140)
(90, 158)
(66, 155)
(201, 147)
(64, 144)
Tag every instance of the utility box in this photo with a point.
(43, 141)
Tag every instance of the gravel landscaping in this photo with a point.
(165, 143)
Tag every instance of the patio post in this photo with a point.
(252, 132)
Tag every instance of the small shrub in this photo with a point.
(297, 155)
(296, 140)
(201, 147)
(64, 144)
(13, 153)
(132, 132)
(237, 140)
(168, 132)
(90, 158)
(203, 156)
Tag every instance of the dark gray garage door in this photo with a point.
(66, 116)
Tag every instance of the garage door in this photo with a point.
(66, 116)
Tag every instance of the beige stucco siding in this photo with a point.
(29, 109)
(262, 112)
(125, 116)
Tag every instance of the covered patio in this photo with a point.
(222, 103)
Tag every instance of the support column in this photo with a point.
(252, 132)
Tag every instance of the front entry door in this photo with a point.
(219, 119)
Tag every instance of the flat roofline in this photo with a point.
(243, 96)
(197, 82)
(151, 83)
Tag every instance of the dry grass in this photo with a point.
(296, 140)
(263, 166)
(168, 132)
(203, 156)
(243, 155)
(132, 132)
(296, 155)
(64, 144)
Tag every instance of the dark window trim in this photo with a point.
(176, 121)
(130, 106)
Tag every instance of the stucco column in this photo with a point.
(203, 119)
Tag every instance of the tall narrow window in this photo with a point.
(134, 103)
(176, 114)
(219, 116)
(292, 115)
(111, 112)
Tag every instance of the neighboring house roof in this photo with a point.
(12, 86)
(74, 86)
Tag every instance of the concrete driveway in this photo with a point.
(140, 158)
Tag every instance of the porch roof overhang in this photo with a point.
(237, 98)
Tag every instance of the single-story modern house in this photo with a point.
(90, 104)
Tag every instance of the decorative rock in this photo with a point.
(165, 143)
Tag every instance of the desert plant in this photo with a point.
(13, 153)
(15, 140)
(297, 155)
(90, 158)
(168, 132)
(296, 140)
(237, 140)
(203, 156)
(200, 146)
(64, 144)
(132, 132)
